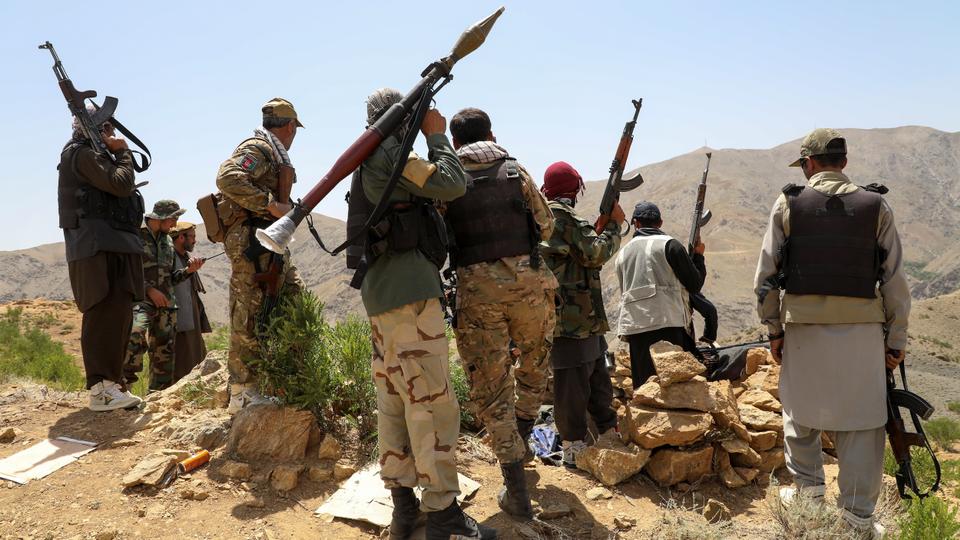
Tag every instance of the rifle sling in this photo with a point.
(905, 477)
(145, 156)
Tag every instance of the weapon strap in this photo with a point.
(145, 156)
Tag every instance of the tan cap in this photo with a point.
(180, 227)
(817, 143)
(280, 108)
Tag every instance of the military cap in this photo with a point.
(646, 210)
(280, 108)
(166, 209)
(817, 143)
(181, 226)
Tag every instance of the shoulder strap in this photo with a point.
(145, 157)
(792, 190)
(513, 171)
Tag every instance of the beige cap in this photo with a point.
(817, 143)
(280, 108)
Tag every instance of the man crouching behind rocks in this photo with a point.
(827, 245)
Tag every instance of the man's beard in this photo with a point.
(189, 247)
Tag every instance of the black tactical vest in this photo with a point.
(832, 248)
(79, 200)
(491, 220)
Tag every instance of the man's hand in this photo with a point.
(157, 298)
(700, 248)
(617, 215)
(433, 123)
(893, 358)
(776, 348)
(195, 264)
(278, 210)
(114, 144)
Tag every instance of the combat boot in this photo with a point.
(525, 428)
(514, 498)
(452, 524)
(406, 513)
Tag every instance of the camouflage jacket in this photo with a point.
(575, 253)
(158, 264)
(249, 179)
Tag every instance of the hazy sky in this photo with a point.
(555, 77)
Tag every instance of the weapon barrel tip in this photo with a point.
(709, 155)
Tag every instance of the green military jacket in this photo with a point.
(158, 264)
(397, 279)
(575, 253)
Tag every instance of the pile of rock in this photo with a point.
(685, 428)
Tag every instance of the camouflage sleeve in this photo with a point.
(537, 205)
(105, 175)
(151, 270)
(179, 275)
(587, 247)
(235, 179)
(765, 284)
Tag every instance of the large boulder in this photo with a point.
(671, 466)
(760, 399)
(676, 366)
(207, 429)
(697, 394)
(150, 470)
(650, 428)
(760, 420)
(763, 440)
(742, 450)
(767, 378)
(772, 460)
(756, 357)
(612, 462)
(731, 475)
(268, 431)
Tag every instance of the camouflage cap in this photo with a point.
(817, 143)
(166, 209)
(280, 108)
(181, 226)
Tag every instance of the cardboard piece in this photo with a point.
(43, 458)
(362, 497)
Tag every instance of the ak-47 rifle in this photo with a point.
(269, 282)
(616, 183)
(410, 110)
(700, 217)
(901, 440)
(90, 123)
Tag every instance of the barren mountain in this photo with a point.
(920, 166)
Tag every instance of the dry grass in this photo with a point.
(807, 519)
(679, 521)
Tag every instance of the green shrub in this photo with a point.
(32, 354)
(953, 406)
(219, 339)
(928, 519)
(943, 431)
(461, 387)
(142, 386)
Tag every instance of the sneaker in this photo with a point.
(242, 395)
(108, 396)
(866, 528)
(609, 439)
(571, 449)
(814, 494)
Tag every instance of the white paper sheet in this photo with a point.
(43, 458)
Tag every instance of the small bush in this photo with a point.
(928, 519)
(953, 406)
(943, 431)
(219, 339)
(142, 386)
(198, 393)
(31, 353)
(461, 387)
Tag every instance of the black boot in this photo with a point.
(525, 428)
(406, 513)
(514, 498)
(451, 521)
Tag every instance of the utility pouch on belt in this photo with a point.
(212, 222)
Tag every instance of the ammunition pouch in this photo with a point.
(414, 225)
(121, 213)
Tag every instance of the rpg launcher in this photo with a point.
(616, 183)
(90, 122)
(901, 440)
(411, 109)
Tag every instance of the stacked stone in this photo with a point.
(694, 428)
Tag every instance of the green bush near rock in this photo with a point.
(29, 352)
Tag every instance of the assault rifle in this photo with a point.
(901, 440)
(269, 282)
(409, 111)
(90, 123)
(700, 216)
(616, 183)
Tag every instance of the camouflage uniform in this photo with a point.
(159, 273)
(499, 301)
(248, 181)
(417, 413)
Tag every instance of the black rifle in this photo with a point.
(616, 183)
(90, 123)
(700, 217)
(901, 440)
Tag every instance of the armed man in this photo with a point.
(504, 293)
(157, 313)
(576, 253)
(833, 248)
(100, 212)
(418, 414)
(657, 277)
(192, 322)
(255, 183)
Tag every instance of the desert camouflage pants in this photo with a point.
(501, 391)
(418, 418)
(246, 299)
(161, 323)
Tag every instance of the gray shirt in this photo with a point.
(184, 294)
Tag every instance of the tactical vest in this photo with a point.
(79, 200)
(492, 220)
(832, 248)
